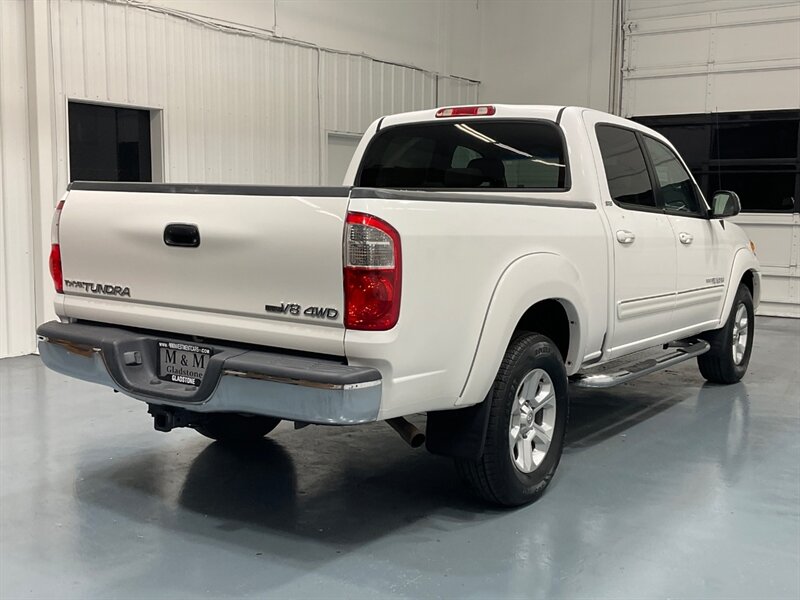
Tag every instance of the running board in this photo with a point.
(677, 353)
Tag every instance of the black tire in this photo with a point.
(494, 476)
(719, 365)
(233, 428)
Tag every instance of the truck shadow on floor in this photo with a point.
(343, 488)
(599, 415)
(334, 486)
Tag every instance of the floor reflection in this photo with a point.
(666, 485)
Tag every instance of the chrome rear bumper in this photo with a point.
(297, 388)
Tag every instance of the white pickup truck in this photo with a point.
(477, 262)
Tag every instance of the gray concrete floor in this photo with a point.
(669, 487)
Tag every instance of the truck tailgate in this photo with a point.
(267, 260)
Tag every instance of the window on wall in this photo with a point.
(109, 143)
(755, 154)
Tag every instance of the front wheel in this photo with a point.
(727, 360)
(527, 421)
(233, 428)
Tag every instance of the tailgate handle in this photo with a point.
(182, 234)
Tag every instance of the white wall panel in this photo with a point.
(777, 238)
(547, 52)
(356, 90)
(777, 88)
(258, 14)
(452, 91)
(710, 56)
(441, 36)
(661, 98)
(17, 313)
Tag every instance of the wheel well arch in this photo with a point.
(461, 433)
(528, 281)
(747, 280)
(555, 318)
(744, 271)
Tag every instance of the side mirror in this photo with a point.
(725, 203)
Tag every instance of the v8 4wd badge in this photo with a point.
(288, 308)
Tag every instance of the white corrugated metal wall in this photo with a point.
(691, 56)
(231, 106)
(238, 108)
(17, 318)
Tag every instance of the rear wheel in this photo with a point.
(527, 421)
(234, 428)
(727, 360)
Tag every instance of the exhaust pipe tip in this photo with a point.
(408, 431)
(417, 440)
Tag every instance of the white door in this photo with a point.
(644, 243)
(703, 255)
(341, 148)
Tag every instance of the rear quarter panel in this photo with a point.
(460, 284)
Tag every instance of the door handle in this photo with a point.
(182, 234)
(685, 238)
(625, 237)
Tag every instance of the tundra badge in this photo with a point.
(102, 289)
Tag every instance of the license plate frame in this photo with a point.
(182, 363)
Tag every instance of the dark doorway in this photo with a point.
(109, 143)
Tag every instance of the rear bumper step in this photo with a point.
(677, 352)
(296, 388)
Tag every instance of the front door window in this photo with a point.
(678, 192)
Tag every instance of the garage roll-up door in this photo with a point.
(716, 66)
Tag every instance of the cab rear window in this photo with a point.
(467, 154)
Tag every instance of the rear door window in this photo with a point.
(626, 170)
(467, 154)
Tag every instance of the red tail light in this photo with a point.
(55, 250)
(466, 111)
(372, 273)
(55, 268)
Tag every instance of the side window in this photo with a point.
(675, 185)
(626, 170)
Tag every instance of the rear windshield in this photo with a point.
(467, 154)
